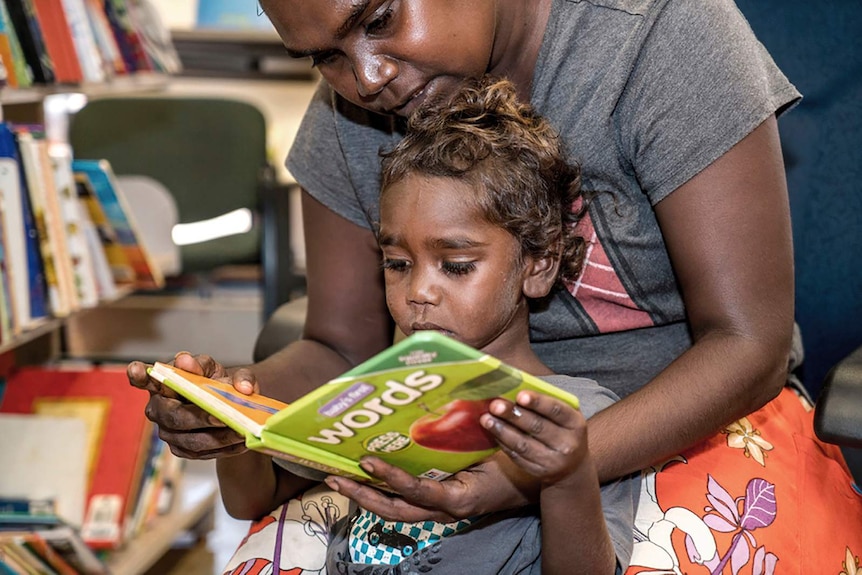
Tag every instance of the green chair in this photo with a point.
(211, 154)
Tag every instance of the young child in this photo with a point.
(477, 215)
(478, 211)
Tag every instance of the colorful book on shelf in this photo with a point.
(31, 549)
(31, 37)
(81, 254)
(59, 277)
(58, 41)
(15, 247)
(7, 305)
(127, 37)
(104, 37)
(28, 285)
(118, 434)
(18, 74)
(416, 405)
(120, 268)
(103, 182)
(89, 57)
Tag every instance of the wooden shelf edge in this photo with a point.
(48, 325)
(197, 500)
(131, 83)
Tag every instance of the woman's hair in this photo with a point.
(513, 159)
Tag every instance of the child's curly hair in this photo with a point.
(511, 156)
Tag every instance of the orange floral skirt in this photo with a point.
(763, 497)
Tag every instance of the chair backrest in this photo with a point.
(208, 152)
(817, 45)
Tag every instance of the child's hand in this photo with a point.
(546, 437)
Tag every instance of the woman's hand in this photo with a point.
(190, 431)
(493, 485)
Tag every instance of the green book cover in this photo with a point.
(415, 405)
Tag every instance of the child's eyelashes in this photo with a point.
(458, 268)
(390, 264)
(448, 268)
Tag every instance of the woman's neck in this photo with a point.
(520, 30)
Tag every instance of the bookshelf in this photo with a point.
(37, 342)
(192, 512)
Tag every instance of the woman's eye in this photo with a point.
(458, 268)
(380, 23)
(394, 265)
(322, 59)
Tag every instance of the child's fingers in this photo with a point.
(524, 431)
(529, 452)
(550, 408)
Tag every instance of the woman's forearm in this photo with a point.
(720, 379)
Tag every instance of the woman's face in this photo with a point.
(447, 269)
(389, 56)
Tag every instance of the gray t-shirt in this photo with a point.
(505, 542)
(646, 94)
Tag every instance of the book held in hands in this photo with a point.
(415, 405)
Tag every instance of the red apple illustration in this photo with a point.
(454, 427)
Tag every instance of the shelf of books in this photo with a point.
(192, 512)
(86, 485)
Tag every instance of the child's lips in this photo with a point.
(429, 327)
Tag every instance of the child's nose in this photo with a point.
(423, 290)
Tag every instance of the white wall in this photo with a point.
(178, 13)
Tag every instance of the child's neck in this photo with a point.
(520, 356)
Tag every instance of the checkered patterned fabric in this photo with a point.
(374, 541)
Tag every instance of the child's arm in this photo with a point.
(252, 485)
(548, 439)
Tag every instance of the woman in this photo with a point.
(686, 307)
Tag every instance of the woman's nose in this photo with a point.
(373, 73)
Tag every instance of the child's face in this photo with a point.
(389, 56)
(448, 269)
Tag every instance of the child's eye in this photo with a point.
(390, 264)
(458, 268)
(380, 23)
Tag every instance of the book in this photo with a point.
(120, 269)
(30, 35)
(415, 405)
(126, 36)
(80, 253)
(25, 506)
(18, 74)
(12, 210)
(35, 551)
(104, 37)
(36, 292)
(58, 41)
(45, 467)
(59, 277)
(103, 182)
(89, 56)
(117, 436)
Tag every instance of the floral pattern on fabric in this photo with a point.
(851, 564)
(787, 507)
(292, 539)
(741, 435)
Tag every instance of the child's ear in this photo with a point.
(540, 275)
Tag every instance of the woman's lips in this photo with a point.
(412, 103)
